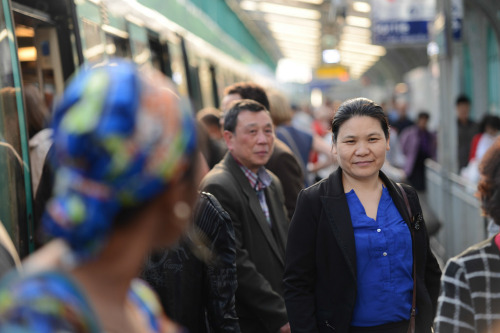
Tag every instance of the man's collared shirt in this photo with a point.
(259, 182)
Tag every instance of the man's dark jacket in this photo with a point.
(260, 249)
(199, 294)
(320, 273)
(286, 166)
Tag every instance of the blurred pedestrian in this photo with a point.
(489, 129)
(196, 280)
(40, 137)
(470, 286)
(402, 121)
(417, 144)
(358, 257)
(466, 130)
(211, 141)
(126, 179)
(301, 143)
(253, 197)
(283, 162)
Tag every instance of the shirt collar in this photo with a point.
(258, 181)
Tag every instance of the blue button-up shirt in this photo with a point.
(384, 263)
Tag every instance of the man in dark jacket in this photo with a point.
(196, 282)
(283, 162)
(253, 197)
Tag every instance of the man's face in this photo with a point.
(463, 111)
(252, 142)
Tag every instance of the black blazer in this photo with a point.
(320, 270)
(260, 249)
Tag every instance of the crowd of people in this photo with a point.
(252, 218)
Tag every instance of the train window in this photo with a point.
(93, 42)
(206, 84)
(15, 189)
(160, 57)
(139, 44)
(94, 46)
(215, 86)
(178, 69)
(117, 46)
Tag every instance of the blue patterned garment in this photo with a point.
(51, 302)
(119, 140)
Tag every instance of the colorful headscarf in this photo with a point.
(120, 137)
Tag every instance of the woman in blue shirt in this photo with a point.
(351, 249)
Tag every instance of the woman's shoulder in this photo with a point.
(44, 302)
(147, 301)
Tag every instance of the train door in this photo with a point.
(16, 212)
(36, 61)
(38, 50)
(215, 87)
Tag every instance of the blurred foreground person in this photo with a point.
(253, 197)
(9, 258)
(470, 286)
(354, 244)
(125, 181)
(196, 281)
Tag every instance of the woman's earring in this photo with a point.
(182, 210)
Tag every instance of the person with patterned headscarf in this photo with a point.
(125, 182)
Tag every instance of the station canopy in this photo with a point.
(377, 39)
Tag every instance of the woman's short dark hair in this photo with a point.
(359, 107)
(231, 117)
(489, 185)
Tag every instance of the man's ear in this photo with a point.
(228, 137)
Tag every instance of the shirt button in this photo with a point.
(379, 230)
(384, 254)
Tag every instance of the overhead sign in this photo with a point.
(332, 72)
(397, 22)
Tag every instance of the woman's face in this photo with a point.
(361, 147)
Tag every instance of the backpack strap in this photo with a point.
(411, 328)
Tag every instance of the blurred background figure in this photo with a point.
(40, 136)
(417, 144)
(470, 286)
(300, 142)
(466, 130)
(302, 119)
(125, 182)
(402, 120)
(489, 129)
(213, 146)
(323, 163)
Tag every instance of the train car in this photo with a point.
(43, 42)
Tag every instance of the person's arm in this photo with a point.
(454, 310)
(220, 272)
(253, 289)
(300, 271)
